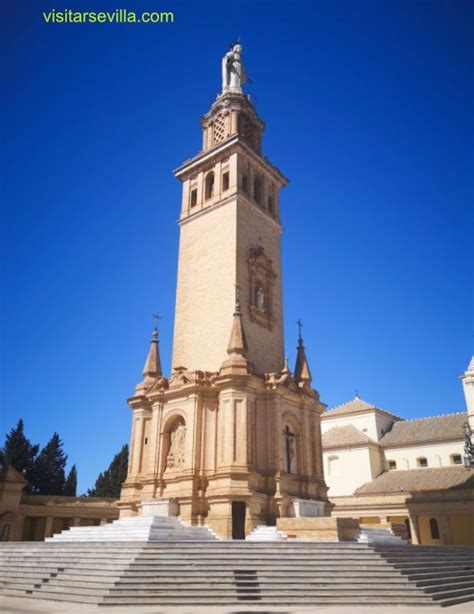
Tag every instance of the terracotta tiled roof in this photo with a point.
(357, 404)
(344, 436)
(439, 478)
(437, 428)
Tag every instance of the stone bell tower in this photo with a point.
(230, 235)
(232, 435)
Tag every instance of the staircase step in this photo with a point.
(230, 573)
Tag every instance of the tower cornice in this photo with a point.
(241, 198)
(224, 149)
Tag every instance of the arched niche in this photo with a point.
(174, 443)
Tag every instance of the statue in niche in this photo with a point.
(233, 72)
(176, 454)
(260, 299)
(289, 448)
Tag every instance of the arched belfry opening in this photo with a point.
(209, 188)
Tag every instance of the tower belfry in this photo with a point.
(230, 434)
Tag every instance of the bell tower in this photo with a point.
(231, 435)
(229, 236)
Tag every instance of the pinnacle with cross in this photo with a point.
(300, 326)
(156, 318)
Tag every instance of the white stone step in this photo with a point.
(378, 536)
(262, 533)
(137, 529)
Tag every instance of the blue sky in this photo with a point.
(368, 111)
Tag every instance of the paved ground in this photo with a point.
(11, 605)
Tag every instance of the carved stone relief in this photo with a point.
(177, 452)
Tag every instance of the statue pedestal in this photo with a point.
(159, 507)
(306, 508)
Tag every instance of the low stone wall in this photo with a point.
(330, 529)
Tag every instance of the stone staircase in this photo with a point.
(445, 573)
(232, 573)
(137, 529)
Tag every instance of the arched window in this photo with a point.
(456, 459)
(209, 191)
(193, 197)
(257, 190)
(422, 461)
(405, 463)
(434, 529)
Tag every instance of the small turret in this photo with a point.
(302, 374)
(152, 369)
(237, 363)
(468, 385)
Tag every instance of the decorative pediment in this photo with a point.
(282, 378)
(161, 384)
(182, 377)
(179, 377)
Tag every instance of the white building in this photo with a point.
(361, 441)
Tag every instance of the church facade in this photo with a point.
(231, 434)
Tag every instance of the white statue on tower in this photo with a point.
(233, 72)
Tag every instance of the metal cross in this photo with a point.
(300, 326)
(156, 317)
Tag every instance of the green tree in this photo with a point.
(70, 485)
(20, 453)
(110, 481)
(49, 468)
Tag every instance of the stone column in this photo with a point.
(218, 180)
(155, 439)
(200, 189)
(138, 445)
(76, 522)
(186, 195)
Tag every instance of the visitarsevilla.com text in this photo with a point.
(116, 16)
